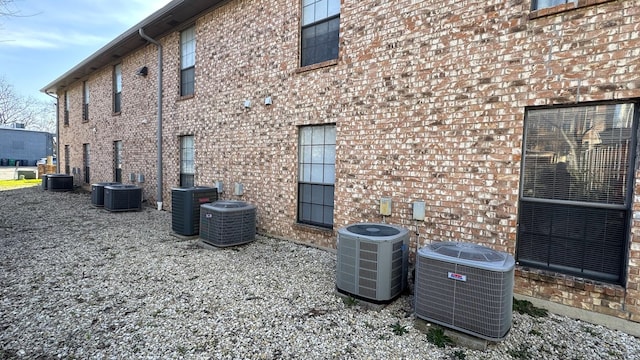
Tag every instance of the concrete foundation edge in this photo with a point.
(612, 322)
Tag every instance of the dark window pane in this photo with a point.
(586, 242)
(187, 81)
(320, 42)
(186, 180)
(317, 214)
(116, 102)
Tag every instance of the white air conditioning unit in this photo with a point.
(372, 261)
(465, 287)
(227, 223)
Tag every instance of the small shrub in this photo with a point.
(458, 355)
(535, 332)
(527, 308)
(436, 336)
(521, 353)
(399, 329)
(350, 301)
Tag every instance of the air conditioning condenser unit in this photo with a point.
(372, 261)
(465, 287)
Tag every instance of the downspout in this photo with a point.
(57, 133)
(159, 121)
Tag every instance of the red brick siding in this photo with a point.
(428, 100)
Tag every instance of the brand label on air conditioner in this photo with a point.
(455, 276)
(203, 200)
(208, 216)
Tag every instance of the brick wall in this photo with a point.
(428, 99)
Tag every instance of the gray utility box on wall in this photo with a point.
(372, 261)
(185, 208)
(97, 193)
(122, 197)
(466, 287)
(227, 223)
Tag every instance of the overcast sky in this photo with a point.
(47, 38)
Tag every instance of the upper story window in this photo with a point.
(541, 4)
(117, 88)
(85, 101)
(66, 108)
(187, 61)
(320, 30)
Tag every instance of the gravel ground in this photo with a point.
(80, 282)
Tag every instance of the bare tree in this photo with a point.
(34, 114)
(5, 8)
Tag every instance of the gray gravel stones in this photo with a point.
(80, 282)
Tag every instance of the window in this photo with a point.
(187, 61)
(85, 162)
(85, 101)
(117, 88)
(575, 190)
(317, 173)
(67, 159)
(66, 108)
(117, 161)
(541, 4)
(320, 30)
(187, 166)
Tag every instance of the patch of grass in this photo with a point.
(350, 301)
(18, 184)
(521, 353)
(527, 308)
(399, 329)
(535, 332)
(436, 336)
(459, 355)
(590, 331)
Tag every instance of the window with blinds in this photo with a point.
(575, 190)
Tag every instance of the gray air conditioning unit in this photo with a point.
(372, 261)
(59, 182)
(185, 208)
(97, 193)
(122, 197)
(227, 223)
(465, 287)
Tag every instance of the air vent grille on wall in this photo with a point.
(97, 193)
(185, 208)
(372, 261)
(466, 287)
(227, 223)
(122, 197)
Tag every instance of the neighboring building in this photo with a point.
(515, 122)
(25, 146)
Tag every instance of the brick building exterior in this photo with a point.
(426, 101)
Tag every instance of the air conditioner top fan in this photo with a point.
(469, 254)
(372, 231)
